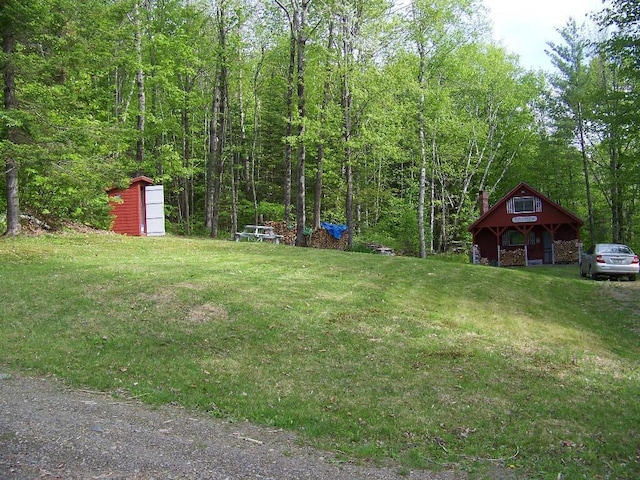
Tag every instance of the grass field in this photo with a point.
(424, 363)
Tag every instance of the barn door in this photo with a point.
(154, 210)
(548, 247)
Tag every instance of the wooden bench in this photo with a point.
(258, 233)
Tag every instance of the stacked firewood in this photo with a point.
(287, 233)
(566, 251)
(513, 258)
(320, 238)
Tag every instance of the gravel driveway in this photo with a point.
(50, 431)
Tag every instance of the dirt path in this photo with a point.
(52, 432)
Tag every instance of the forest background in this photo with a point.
(387, 116)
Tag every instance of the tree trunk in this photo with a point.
(219, 158)
(317, 194)
(432, 194)
(185, 210)
(423, 154)
(443, 220)
(617, 211)
(585, 167)
(256, 132)
(243, 154)
(11, 165)
(243, 162)
(288, 150)
(140, 86)
(613, 140)
(302, 114)
(317, 198)
(234, 194)
(347, 103)
(212, 160)
(222, 123)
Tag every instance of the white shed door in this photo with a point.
(154, 199)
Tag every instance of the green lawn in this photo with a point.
(426, 363)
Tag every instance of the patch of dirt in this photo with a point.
(207, 313)
(74, 227)
(33, 226)
(53, 432)
(627, 293)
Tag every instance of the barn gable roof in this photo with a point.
(520, 189)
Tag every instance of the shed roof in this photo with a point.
(143, 179)
(138, 179)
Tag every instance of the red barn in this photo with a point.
(138, 210)
(525, 228)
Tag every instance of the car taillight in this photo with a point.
(600, 259)
(635, 259)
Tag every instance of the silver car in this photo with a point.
(611, 260)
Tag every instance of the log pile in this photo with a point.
(566, 251)
(320, 238)
(287, 233)
(31, 225)
(513, 258)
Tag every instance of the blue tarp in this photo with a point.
(335, 230)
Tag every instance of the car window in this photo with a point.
(613, 249)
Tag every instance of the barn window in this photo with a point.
(523, 205)
(515, 238)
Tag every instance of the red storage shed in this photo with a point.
(138, 210)
(525, 228)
